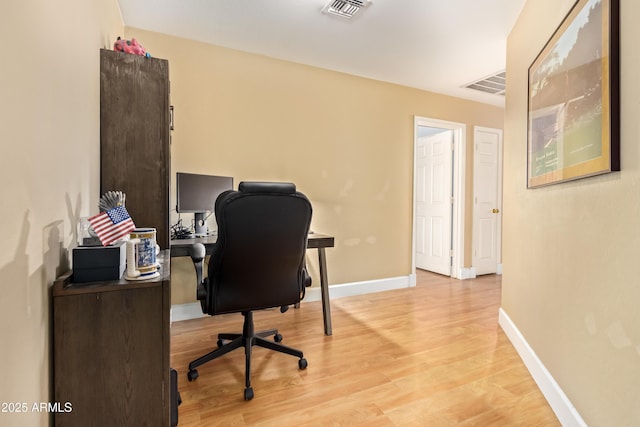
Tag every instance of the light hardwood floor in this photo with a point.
(432, 355)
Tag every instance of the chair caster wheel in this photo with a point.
(302, 363)
(192, 375)
(248, 393)
(277, 337)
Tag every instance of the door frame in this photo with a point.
(459, 169)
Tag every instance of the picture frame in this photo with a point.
(573, 117)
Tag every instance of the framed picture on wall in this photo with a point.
(573, 124)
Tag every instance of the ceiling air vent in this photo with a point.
(494, 84)
(345, 8)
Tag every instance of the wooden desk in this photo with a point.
(181, 247)
(111, 350)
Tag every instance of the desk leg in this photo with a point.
(324, 287)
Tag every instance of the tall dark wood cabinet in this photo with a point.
(135, 136)
(111, 351)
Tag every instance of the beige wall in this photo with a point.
(347, 142)
(49, 116)
(570, 259)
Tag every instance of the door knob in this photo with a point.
(496, 210)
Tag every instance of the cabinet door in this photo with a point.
(109, 362)
(134, 136)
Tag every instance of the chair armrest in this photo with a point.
(198, 253)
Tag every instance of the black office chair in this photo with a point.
(258, 262)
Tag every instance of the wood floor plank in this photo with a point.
(428, 355)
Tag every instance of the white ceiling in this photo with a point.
(435, 45)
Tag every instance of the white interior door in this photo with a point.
(487, 186)
(434, 187)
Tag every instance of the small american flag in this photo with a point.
(112, 225)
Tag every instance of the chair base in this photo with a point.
(247, 339)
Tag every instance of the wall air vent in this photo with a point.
(345, 8)
(494, 84)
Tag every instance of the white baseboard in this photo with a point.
(193, 311)
(467, 273)
(559, 402)
(360, 288)
(413, 278)
(188, 311)
(471, 272)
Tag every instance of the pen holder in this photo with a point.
(142, 252)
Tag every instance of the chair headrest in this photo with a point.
(267, 187)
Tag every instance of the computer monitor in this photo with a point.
(197, 194)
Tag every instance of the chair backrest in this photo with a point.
(258, 260)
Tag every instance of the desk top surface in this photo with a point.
(179, 247)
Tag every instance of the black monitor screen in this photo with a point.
(198, 193)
